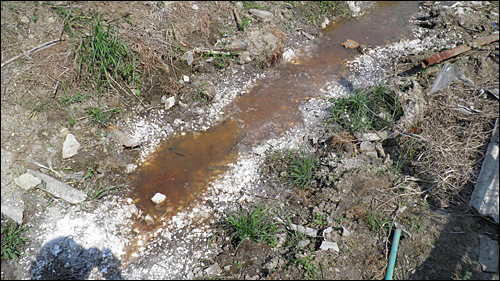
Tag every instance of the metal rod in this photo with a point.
(458, 50)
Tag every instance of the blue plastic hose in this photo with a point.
(393, 254)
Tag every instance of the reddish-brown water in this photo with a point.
(183, 165)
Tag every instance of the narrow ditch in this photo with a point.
(182, 167)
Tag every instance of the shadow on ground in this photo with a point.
(63, 258)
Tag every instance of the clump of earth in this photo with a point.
(196, 59)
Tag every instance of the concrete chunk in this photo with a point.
(59, 189)
(27, 181)
(305, 230)
(261, 14)
(327, 245)
(488, 254)
(485, 195)
(70, 146)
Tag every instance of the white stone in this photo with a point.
(213, 270)
(158, 198)
(327, 245)
(261, 14)
(186, 78)
(195, 7)
(170, 102)
(325, 23)
(303, 243)
(27, 181)
(51, 20)
(366, 147)
(25, 19)
(70, 146)
(149, 219)
(130, 168)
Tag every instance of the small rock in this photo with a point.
(130, 168)
(488, 254)
(122, 138)
(213, 270)
(380, 150)
(325, 23)
(327, 230)
(345, 232)
(366, 147)
(24, 19)
(354, 8)
(59, 189)
(169, 103)
(245, 57)
(27, 181)
(20, 37)
(51, 20)
(185, 78)
(13, 212)
(304, 230)
(149, 219)
(350, 44)
(272, 263)
(195, 7)
(309, 36)
(261, 14)
(63, 133)
(70, 146)
(188, 57)
(303, 243)
(31, 36)
(158, 198)
(327, 245)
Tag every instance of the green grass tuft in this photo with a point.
(11, 241)
(255, 224)
(366, 110)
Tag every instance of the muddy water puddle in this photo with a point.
(183, 166)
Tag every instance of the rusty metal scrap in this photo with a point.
(458, 50)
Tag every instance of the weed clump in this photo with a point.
(255, 224)
(102, 55)
(293, 166)
(11, 241)
(366, 110)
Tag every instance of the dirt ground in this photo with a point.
(353, 200)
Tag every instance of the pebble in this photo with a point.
(130, 168)
(25, 19)
(261, 14)
(195, 7)
(303, 243)
(158, 198)
(51, 20)
(70, 146)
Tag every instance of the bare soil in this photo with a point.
(425, 186)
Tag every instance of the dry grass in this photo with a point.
(451, 157)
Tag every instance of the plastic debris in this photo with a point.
(448, 74)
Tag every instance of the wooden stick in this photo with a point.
(34, 50)
(40, 47)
